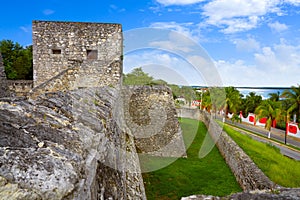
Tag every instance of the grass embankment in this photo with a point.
(280, 169)
(191, 175)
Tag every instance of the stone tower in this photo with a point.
(81, 54)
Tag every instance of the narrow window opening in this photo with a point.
(92, 54)
(56, 51)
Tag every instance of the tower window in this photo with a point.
(56, 51)
(92, 54)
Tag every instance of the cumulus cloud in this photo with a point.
(178, 2)
(248, 45)
(278, 27)
(278, 65)
(236, 16)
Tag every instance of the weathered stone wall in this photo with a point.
(248, 175)
(279, 194)
(19, 87)
(150, 114)
(57, 45)
(67, 146)
(3, 80)
(69, 80)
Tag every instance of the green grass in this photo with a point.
(191, 175)
(280, 169)
(275, 140)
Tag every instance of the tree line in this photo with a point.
(17, 60)
(279, 107)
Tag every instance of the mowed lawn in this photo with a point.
(191, 175)
(280, 169)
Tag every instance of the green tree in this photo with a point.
(16, 60)
(250, 103)
(175, 90)
(218, 98)
(188, 93)
(293, 96)
(137, 77)
(206, 101)
(271, 110)
(233, 100)
(274, 96)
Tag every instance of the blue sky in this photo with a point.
(249, 42)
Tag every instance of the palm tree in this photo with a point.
(233, 100)
(274, 96)
(217, 96)
(271, 110)
(293, 95)
(251, 102)
(206, 101)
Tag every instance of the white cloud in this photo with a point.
(278, 65)
(237, 73)
(162, 65)
(278, 27)
(235, 16)
(293, 2)
(248, 45)
(238, 24)
(175, 42)
(178, 2)
(178, 27)
(48, 12)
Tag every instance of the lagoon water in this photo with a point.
(264, 92)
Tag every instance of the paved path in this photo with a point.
(284, 149)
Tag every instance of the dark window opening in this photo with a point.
(56, 51)
(92, 54)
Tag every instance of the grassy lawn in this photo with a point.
(191, 175)
(280, 169)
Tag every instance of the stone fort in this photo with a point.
(72, 55)
(78, 134)
(74, 128)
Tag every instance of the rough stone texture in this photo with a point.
(150, 114)
(3, 80)
(19, 87)
(67, 146)
(58, 46)
(247, 174)
(70, 79)
(280, 194)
